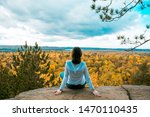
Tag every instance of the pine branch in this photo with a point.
(117, 17)
(138, 45)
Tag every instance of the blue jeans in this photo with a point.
(72, 86)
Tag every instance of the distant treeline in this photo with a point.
(5, 48)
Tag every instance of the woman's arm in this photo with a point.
(64, 81)
(65, 78)
(87, 78)
(89, 82)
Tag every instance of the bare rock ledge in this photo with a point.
(125, 92)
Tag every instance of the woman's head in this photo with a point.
(76, 55)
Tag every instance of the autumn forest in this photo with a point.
(32, 68)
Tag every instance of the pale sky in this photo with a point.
(66, 23)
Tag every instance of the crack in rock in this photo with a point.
(128, 93)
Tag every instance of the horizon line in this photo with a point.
(79, 46)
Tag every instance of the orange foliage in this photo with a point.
(105, 68)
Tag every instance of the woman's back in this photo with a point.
(76, 75)
(75, 70)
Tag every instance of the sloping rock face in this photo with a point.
(125, 92)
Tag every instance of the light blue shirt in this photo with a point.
(76, 75)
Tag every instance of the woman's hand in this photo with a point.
(96, 93)
(57, 92)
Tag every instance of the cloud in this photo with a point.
(55, 22)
